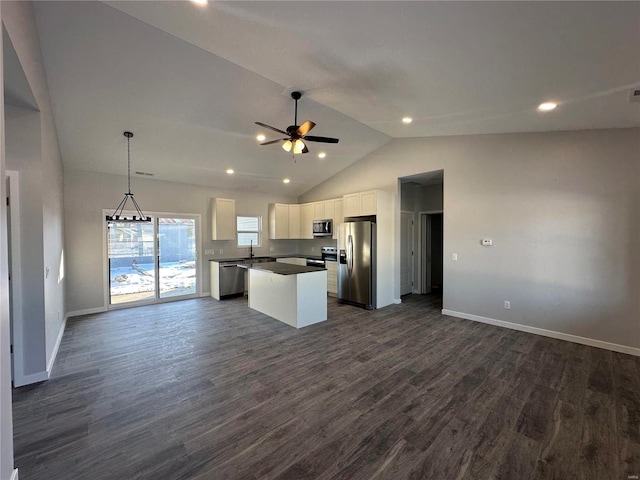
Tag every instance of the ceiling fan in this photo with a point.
(296, 135)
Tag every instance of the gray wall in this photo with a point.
(563, 211)
(87, 194)
(6, 419)
(23, 154)
(35, 154)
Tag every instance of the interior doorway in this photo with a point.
(15, 277)
(431, 247)
(406, 252)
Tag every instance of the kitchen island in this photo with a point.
(293, 294)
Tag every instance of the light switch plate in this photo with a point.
(487, 242)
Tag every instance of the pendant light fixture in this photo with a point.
(117, 215)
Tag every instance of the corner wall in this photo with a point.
(6, 413)
(562, 209)
(46, 217)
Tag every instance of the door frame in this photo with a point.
(105, 261)
(422, 241)
(15, 300)
(412, 234)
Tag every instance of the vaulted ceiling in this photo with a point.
(190, 80)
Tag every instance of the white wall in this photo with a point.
(562, 208)
(44, 207)
(87, 194)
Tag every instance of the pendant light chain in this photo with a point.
(129, 162)
(118, 215)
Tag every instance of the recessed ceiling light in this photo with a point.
(200, 2)
(285, 180)
(547, 106)
(230, 171)
(261, 138)
(407, 120)
(322, 155)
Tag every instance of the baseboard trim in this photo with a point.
(205, 294)
(54, 354)
(14, 475)
(546, 333)
(397, 301)
(86, 311)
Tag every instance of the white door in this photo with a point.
(406, 253)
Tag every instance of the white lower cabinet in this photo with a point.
(332, 278)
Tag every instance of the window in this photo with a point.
(248, 231)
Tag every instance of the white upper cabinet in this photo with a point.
(307, 212)
(223, 219)
(329, 209)
(318, 209)
(361, 204)
(351, 205)
(324, 210)
(338, 216)
(294, 221)
(278, 221)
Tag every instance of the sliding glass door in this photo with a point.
(152, 261)
(176, 257)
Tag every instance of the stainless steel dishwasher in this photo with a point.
(231, 280)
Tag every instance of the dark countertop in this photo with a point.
(244, 259)
(281, 268)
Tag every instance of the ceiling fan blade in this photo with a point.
(305, 128)
(321, 139)
(271, 128)
(274, 141)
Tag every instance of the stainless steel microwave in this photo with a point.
(322, 228)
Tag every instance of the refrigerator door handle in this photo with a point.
(350, 255)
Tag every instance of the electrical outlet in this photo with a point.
(507, 305)
(221, 251)
(454, 257)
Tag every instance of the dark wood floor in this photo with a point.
(202, 389)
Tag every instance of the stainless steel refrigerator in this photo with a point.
(356, 264)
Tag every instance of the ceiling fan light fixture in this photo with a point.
(298, 146)
(296, 135)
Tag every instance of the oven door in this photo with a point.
(312, 262)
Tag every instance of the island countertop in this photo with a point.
(280, 268)
(262, 257)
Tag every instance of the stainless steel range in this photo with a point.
(329, 254)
